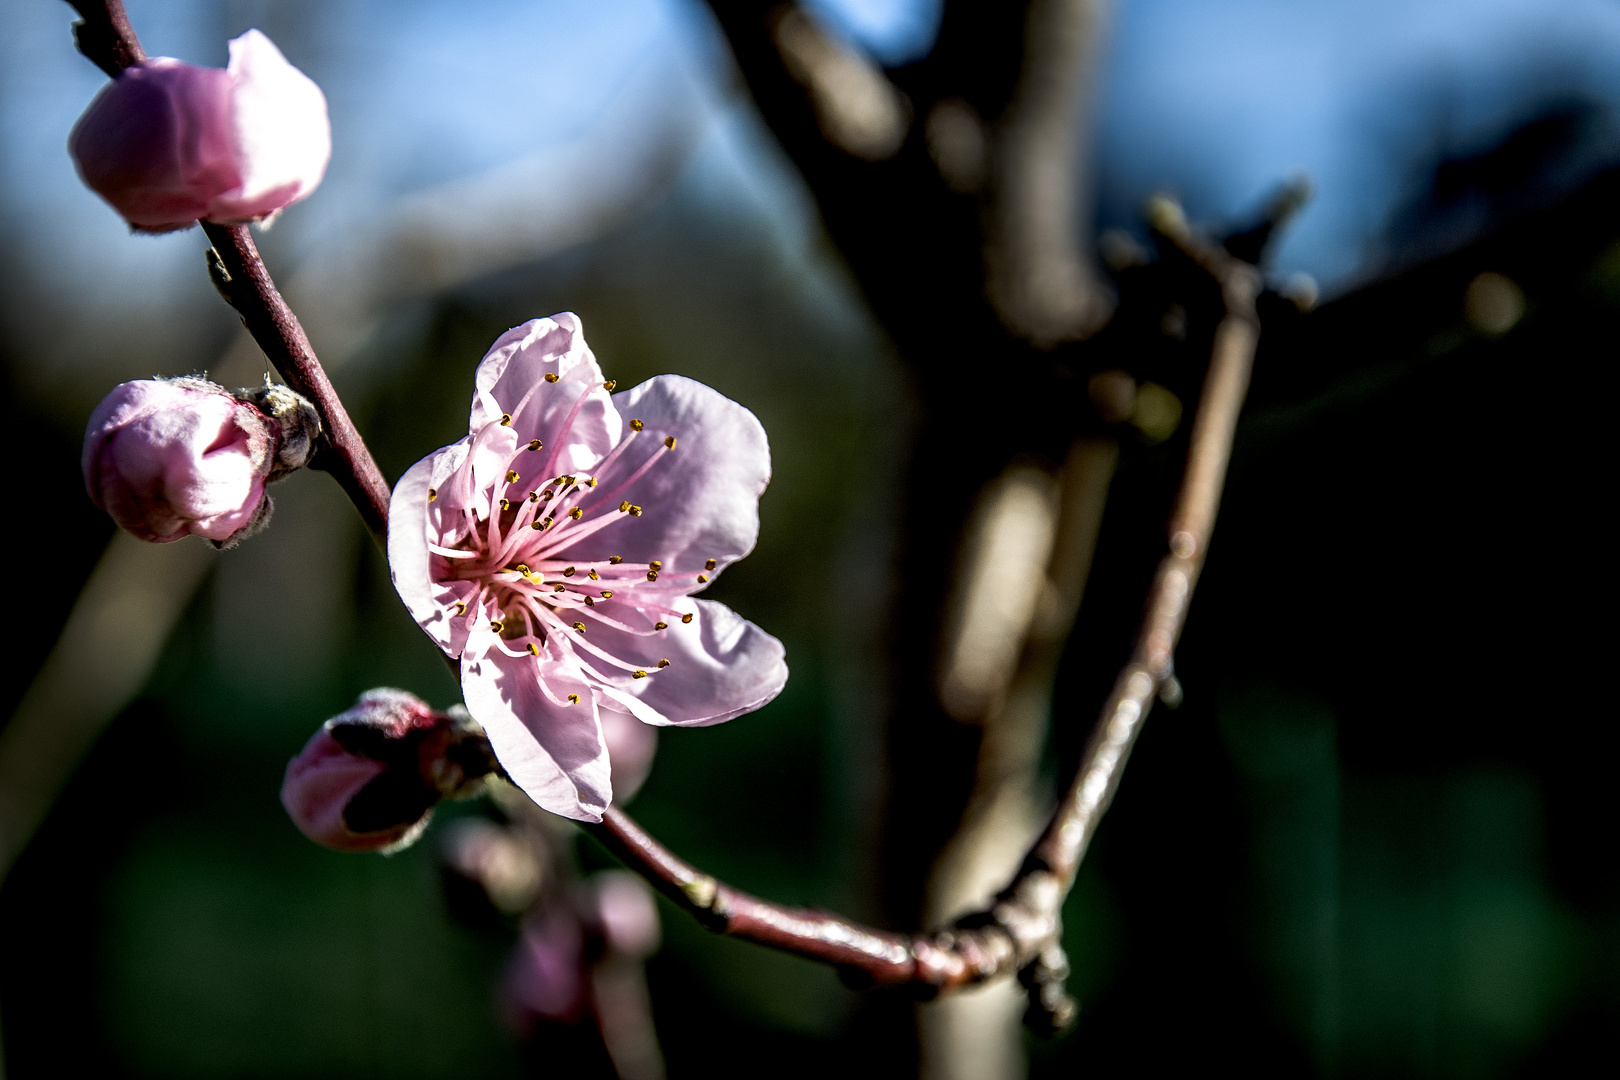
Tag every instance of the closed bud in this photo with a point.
(167, 142)
(369, 778)
(168, 458)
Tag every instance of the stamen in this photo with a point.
(592, 575)
(590, 601)
(534, 650)
(615, 559)
(655, 565)
(591, 482)
(551, 376)
(537, 525)
(522, 568)
(660, 625)
(548, 494)
(573, 699)
(511, 476)
(568, 572)
(506, 504)
(534, 496)
(607, 594)
(452, 553)
(663, 663)
(506, 419)
(636, 425)
(534, 444)
(652, 575)
(580, 627)
(497, 625)
(669, 441)
(702, 578)
(638, 674)
(461, 607)
(635, 511)
(609, 385)
(433, 493)
(708, 564)
(687, 617)
(576, 513)
(559, 587)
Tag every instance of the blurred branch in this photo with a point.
(105, 37)
(1040, 272)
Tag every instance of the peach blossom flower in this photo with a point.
(556, 548)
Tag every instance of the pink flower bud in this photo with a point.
(167, 143)
(171, 457)
(618, 906)
(630, 746)
(369, 778)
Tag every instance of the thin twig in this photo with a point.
(1020, 931)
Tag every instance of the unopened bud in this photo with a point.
(618, 907)
(167, 143)
(167, 458)
(369, 778)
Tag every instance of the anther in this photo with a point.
(687, 617)
(708, 564)
(573, 699)
(566, 480)
(559, 587)
(537, 525)
(638, 674)
(568, 572)
(615, 559)
(546, 522)
(580, 627)
(576, 513)
(461, 607)
(663, 663)
(506, 504)
(607, 594)
(547, 494)
(433, 493)
(496, 625)
(506, 419)
(590, 601)
(652, 575)
(609, 385)
(534, 496)
(624, 507)
(660, 625)
(522, 568)
(591, 482)
(655, 565)
(593, 576)
(551, 376)
(534, 650)
(669, 442)
(635, 511)
(534, 444)
(636, 425)
(703, 579)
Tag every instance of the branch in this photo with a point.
(1020, 931)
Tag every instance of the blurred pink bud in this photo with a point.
(630, 746)
(547, 976)
(171, 457)
(619, 907)
(167, 143)
(369, 778)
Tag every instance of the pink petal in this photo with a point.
(720, 665)
(631, 746)
(555, 753)
(279, 130)
(319, 783)
(431, 603)
(701, 500)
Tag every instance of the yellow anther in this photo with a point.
(506, 419)
(590, 601)
(655, 565)
(638, 674)
(663, 663)
(534, 496)
(551, 376)
(506, 504)
(624, 507)
(652, 575)
(615, 559)
(669, 442)
(609, 385)
(580, 627)
(636, 425)
(534, 444)
(496, 625)
(573, 699)
(547, 494)
(511, 476)
(534, 650)
(566, 480)
(433, 493)
(559, 587)
(708, 564)
(635, 511)
(687, 617)
(607, 594)
(660, 626)
(593, 576)
(461, 607)
(591, 482)
(523, 568)
(703, 579)
(576, 513)
(569, 572)
(537, 526)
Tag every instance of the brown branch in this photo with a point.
(1020, 931)
(105, 37)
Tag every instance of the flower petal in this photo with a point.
(701, 501)
(430, 602)
(280, 129)
(720, 665)
(555, 753)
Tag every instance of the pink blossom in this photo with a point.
(171, 457)
(556, 548)
(167, 143)
(369, 779)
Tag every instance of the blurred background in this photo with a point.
(1376, 839)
